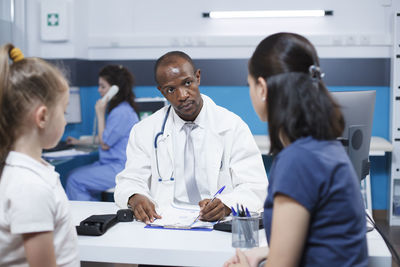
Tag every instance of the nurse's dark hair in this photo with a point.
(171, 57)
(24, 82)
(298, 102)
(124, 79)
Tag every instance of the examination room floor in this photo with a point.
(392, 232)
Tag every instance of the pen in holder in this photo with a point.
(245, 232)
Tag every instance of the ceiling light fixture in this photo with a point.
(267, 14)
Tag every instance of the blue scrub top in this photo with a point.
(319, 175)
(119, 123)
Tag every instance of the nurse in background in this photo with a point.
(115, 118)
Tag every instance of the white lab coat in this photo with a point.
(231, 158)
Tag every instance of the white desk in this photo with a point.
(379, 146)
(130, 242)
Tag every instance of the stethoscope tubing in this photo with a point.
(160, 179)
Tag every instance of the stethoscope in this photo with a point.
(160, 179)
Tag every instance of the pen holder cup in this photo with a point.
(245, 232)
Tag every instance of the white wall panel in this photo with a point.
(133, 29)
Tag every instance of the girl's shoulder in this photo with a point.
(24, 170)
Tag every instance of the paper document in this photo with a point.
(180, 218)
(64, 153)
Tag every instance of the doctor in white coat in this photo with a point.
(225, 153)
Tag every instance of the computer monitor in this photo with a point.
(149, 105)
(358, 111)
(73, 112)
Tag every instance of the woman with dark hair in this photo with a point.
(314, 213)
(87, 182)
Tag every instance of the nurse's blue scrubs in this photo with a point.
(86, 182)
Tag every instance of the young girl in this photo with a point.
(314, 213)
(35, 224)
(87, 182)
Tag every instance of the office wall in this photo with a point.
(12, 22)
(5, 22)
(132, 29)
(358, 36)
(236, 99)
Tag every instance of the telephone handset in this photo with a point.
(107, 97)
(110, 94)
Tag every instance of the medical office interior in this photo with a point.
(358, 43)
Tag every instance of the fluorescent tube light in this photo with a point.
(267, 14)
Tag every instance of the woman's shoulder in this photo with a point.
(124, 105)
(122, 109)
(309, 149)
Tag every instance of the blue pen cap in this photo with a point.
(247, 212)
(233, 211)
(220, 190)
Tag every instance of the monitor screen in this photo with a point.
(149, 105)
(73, 112)
(358, 111)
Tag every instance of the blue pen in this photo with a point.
(218, 192)
(247, 212)
(214, 197)
(233, 211)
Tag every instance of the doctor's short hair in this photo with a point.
(171, 57)
(298, 102)
(24, 82)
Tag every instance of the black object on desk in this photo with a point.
(227, 226)
(96, 225)
(125, 215)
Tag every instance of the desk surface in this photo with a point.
(379, 146)
(63, 156)
(130, 242)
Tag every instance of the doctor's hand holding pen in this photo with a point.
(143, 209)
(213, 209)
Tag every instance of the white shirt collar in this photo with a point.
(42, 168)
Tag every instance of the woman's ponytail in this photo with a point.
(6, 139)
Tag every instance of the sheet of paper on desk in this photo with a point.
(178, 218)
(64, 153)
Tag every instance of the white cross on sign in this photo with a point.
(52, 19)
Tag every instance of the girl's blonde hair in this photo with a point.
(24, 82)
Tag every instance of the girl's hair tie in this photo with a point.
(315, 73)
(16, 54)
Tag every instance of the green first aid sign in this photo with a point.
(52, 19)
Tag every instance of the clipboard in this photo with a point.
(174, 227)
(177, 218)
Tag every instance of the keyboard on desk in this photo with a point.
(87, 147)
(62, 145)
